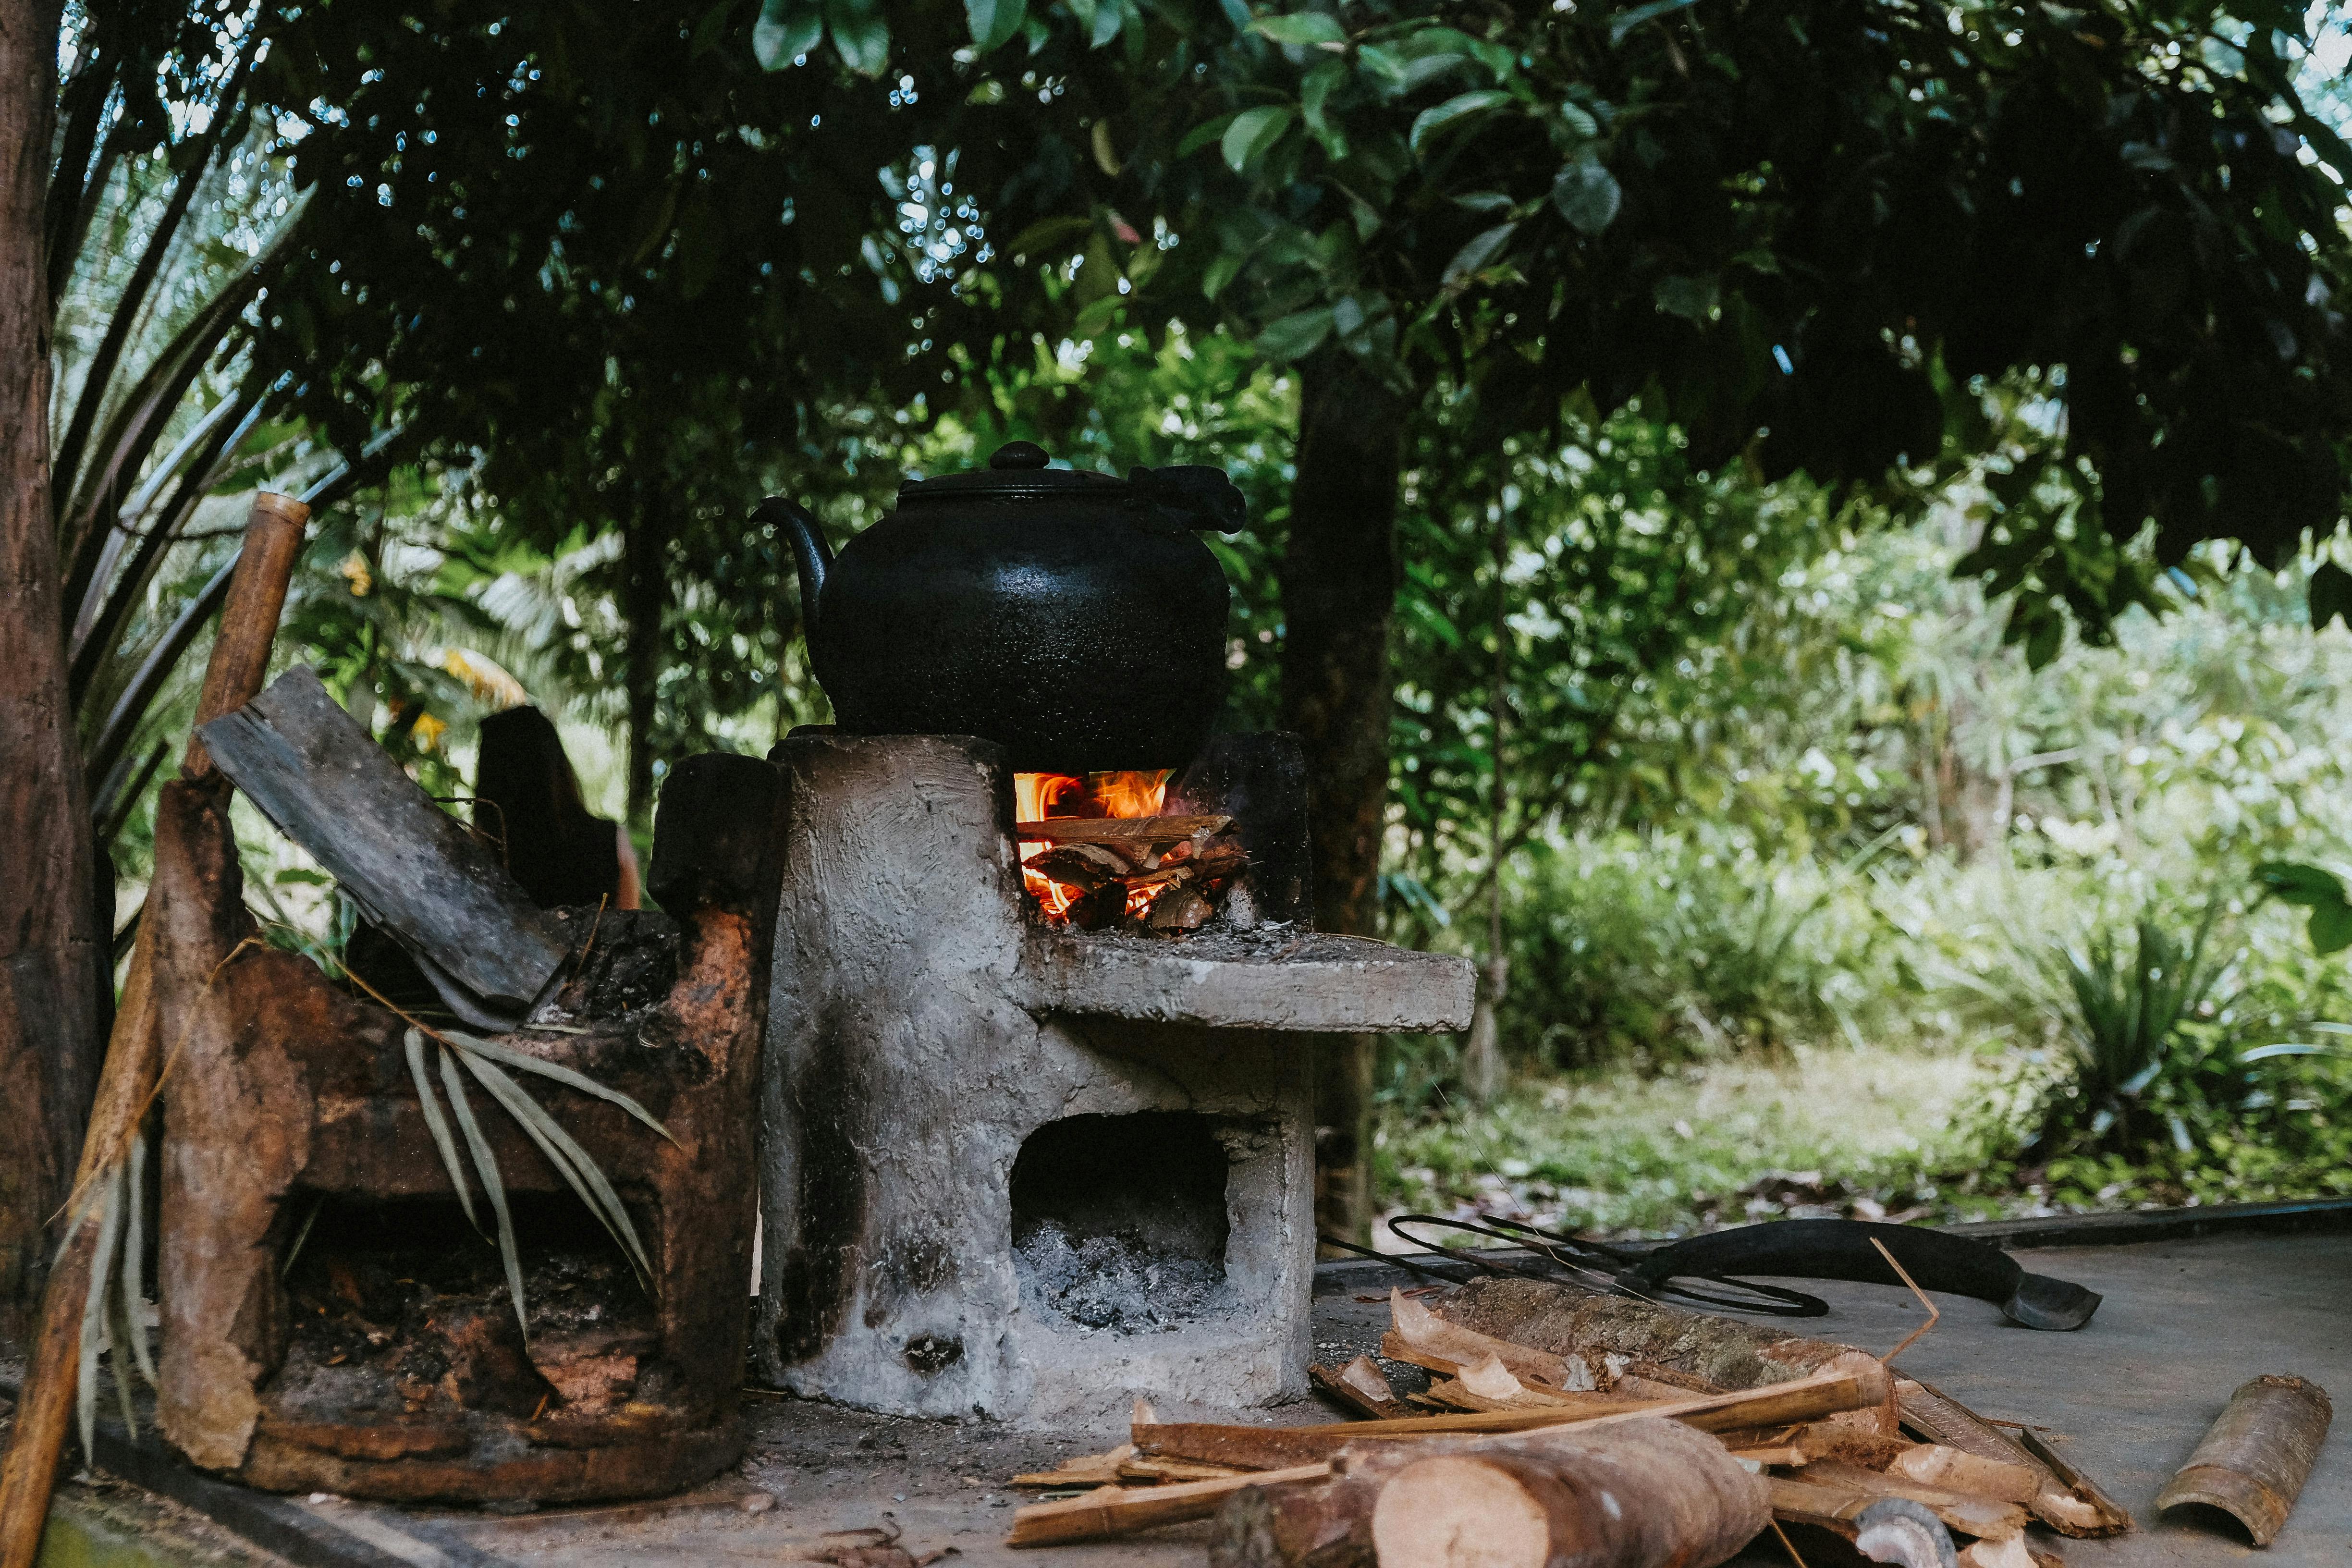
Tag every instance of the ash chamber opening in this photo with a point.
(1118, 1222)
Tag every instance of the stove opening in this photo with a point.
(1109, 850)
(1118, 1222)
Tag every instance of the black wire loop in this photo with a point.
(1611, 1268)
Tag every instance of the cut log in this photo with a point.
(1152, 830)
(1645, 1496)
(2067, 1501)
(410, 869)
(1641, 1495)
(2255, 1457)
(1958, 1470)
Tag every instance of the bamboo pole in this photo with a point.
(240, 659)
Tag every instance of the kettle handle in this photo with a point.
(1191, 495)
(812, 556)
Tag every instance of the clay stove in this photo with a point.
(1023, 1171)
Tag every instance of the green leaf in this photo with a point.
(1297, 335)
(1381, 66)
(1047, 236)
(861, 34)
(786, 30)
(1474, 255)
(1253, 134)
(569, 1158)
(1306, 29)
(1587, 196)
(994, 22)
(134, 1253)
(1693, 298)
(1200, 135)
(486, 1166)
(438, 1125)
(562, 1074)
(2331, 595)
(2315, 888)
(1625, 22)
(1453, 111)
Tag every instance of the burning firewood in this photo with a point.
(1085, 867)
(1161, 831)
(1181, 909)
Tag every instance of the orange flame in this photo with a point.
(1035, 797)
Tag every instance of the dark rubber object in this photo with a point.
(1842, 1249)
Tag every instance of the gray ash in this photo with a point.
(1115, 1282)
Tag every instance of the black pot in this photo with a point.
(1074, 618)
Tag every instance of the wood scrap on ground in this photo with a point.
(1811, 1428)
(2256, 1455)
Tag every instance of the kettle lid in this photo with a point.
(1017, 469)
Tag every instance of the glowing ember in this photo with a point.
(1038, 796)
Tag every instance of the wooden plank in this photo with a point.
(408, 864)
(1360, 988)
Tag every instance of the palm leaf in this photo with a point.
(134, 1259)
(567, 1157)
(509, 1056)
(486, 1165)
(93, 1312)
(438, 1125)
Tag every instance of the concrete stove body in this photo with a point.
(1026, 1172)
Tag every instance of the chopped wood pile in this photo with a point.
(1560, 1424)
(1157, 876)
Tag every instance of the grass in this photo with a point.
(1826, 1130)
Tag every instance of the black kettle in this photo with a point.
(1074, 618)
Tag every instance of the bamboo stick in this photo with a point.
(240, 659)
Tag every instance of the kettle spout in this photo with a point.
(812, 556)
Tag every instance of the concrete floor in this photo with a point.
(2124, 1399)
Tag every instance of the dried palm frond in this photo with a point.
(486, 1061)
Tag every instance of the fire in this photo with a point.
(1036, 796)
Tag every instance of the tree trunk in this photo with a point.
(1339, 595)
(53, 955)
(645, 596)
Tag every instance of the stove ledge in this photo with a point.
(1272, 978)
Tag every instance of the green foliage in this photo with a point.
(2132, 1004)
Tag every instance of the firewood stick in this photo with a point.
(1126, 1509)
(2253, 1461)
(1776, 1404)
(1116, 829)
(127, 1081)
(1097, 1515)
